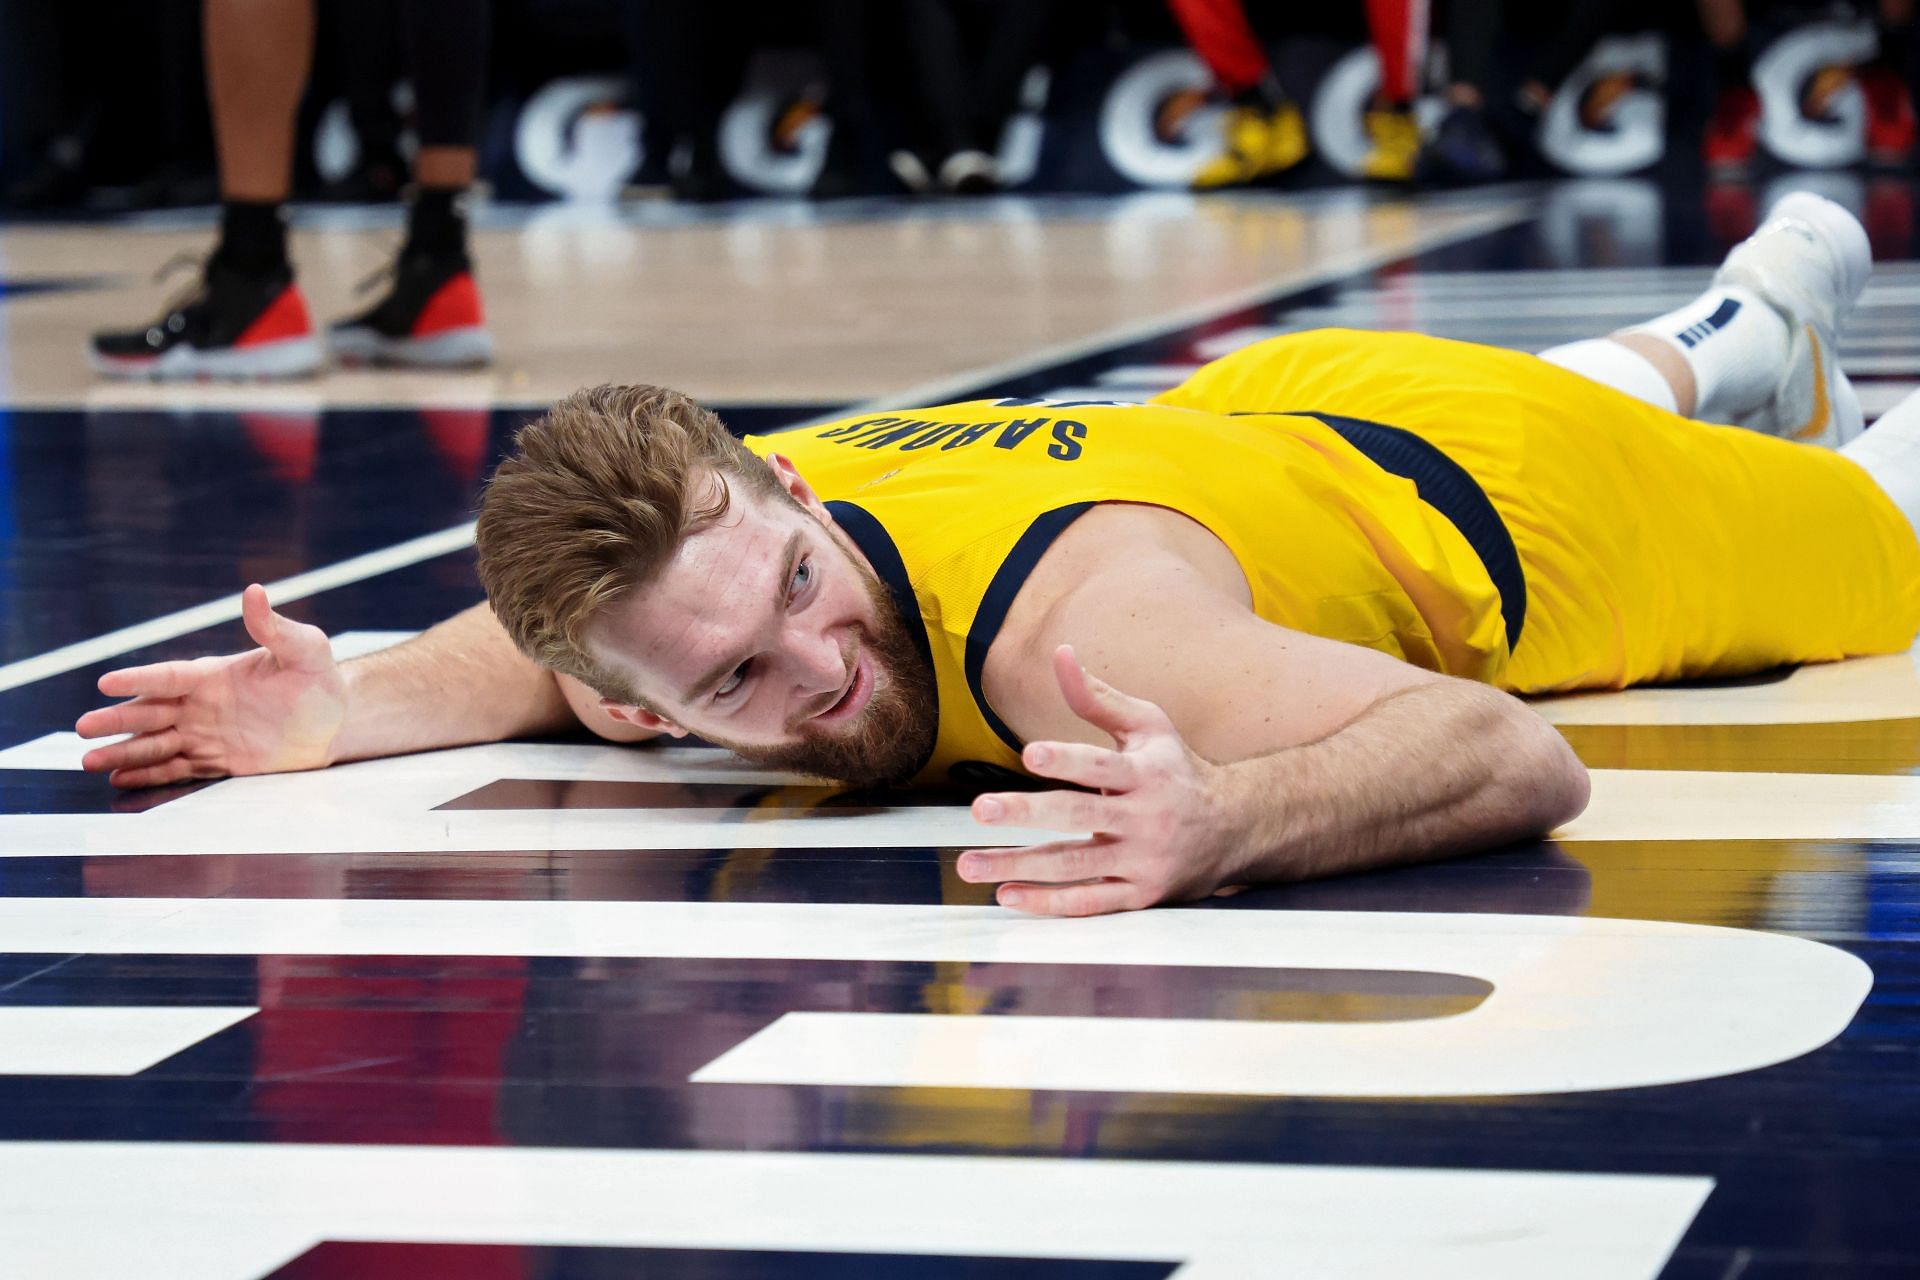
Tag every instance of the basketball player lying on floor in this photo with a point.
(1271, 622)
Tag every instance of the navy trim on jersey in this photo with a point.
(1448, 488)
(1007, 581)
(876, 544)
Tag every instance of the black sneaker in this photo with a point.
(431, 318)
(232, 325)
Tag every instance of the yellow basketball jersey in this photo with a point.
(1475, 511)
(955, 505)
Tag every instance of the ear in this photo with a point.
(796, 485)
(640, 718)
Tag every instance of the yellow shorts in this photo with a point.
(1653, 547)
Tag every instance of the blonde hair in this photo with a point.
(591, 504)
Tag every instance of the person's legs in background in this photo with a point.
(1464, 148)
(247, 318)
(1891, 84)
(1486, 100)
(362, 39)
(1266, 134)
(432, 314)
(1013, 36)
(954, 143)
(858, 148)
(1399, 31)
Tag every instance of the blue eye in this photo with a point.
(733, 682)
(802, 576)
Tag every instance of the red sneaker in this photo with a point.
(431, 318)
(233, 325)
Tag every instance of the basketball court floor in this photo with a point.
(559, 1009)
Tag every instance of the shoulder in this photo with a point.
(1103, 556)
(1121, 583)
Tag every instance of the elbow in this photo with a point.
(1543, 784)
(1561, 785)
(1576, 789)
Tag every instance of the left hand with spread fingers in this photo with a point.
(1160, 829)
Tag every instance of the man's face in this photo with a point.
(768, 633)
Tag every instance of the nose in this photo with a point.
(819, 666)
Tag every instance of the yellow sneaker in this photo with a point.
(1260, 142)
(1396, 145)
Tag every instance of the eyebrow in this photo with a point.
(707, 683)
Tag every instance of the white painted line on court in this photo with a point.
(43, 1040)
(60, 751)
(1658, 1002)
(233, 1211)
(227, 608)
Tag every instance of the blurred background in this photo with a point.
(612, 100)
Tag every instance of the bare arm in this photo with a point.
(1254, 753)
(287, 705)
(461, 681)
(1444, 768)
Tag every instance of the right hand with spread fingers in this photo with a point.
(271, 710)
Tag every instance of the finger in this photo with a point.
(297, 646)
(160, 680)
(1095, 899)
(1062, 862)
(258, 617)
(148, 748)
(1085, 766)
(1053, 810)
(1099, 703)
(145, 715)
(125, 754)
(153, 775)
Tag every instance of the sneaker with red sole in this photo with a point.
(431, 318)
(233, 325)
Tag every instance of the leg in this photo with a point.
(248, 320)
(1265, 132)
(1398, 29)
(258, 53)
(257, 57)
(1890, 453)
(432, 317)
(447, 55)
(1756, 349)
(1464, 148)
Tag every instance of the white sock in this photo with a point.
(1735, 344)
(1890, 452)
(1612, 365)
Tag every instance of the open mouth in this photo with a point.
(859, 689)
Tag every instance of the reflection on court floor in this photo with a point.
(561, 1009)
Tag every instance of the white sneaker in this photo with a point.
(1810, 260)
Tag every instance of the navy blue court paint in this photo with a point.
(366, 1260)
(111, 517)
